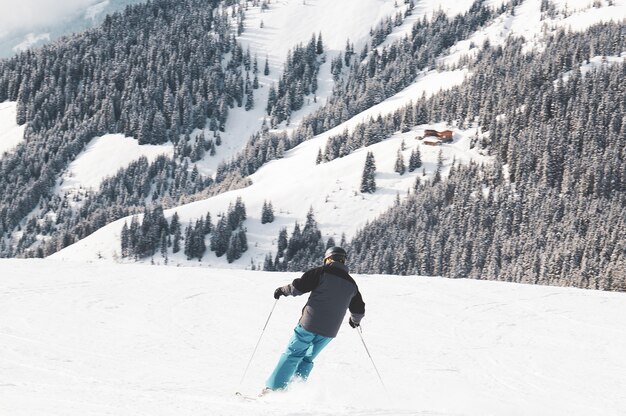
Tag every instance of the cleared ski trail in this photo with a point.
(105, 339)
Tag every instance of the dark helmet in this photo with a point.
(336, 254)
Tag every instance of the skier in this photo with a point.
(333, 291)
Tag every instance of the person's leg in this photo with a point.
(288, 363)
(306, 365)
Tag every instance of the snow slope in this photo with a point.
(10, 133)
(97, 339)
(103, 157)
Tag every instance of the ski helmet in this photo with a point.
(336, 254)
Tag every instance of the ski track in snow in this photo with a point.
(101, 339)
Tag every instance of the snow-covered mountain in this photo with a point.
(295, 183)
(103, 339)
(27, 24)
(60, 200)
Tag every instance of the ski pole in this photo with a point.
(257, 343)
(360, 331)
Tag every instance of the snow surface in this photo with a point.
(102, 339)
(103, 157)
(10, 133)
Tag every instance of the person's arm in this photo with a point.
(309, 281)
(357, 310)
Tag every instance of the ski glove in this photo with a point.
(278, 293)
(353, 324)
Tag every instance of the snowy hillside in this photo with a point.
(295, 184)
(85, 339)
(271, 34)
(25, 24)
(330, 189)
(10, 133)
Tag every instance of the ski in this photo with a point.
(246, 397)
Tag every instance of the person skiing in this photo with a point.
(333, 292)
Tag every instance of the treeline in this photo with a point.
(154, 234)
(302, 251)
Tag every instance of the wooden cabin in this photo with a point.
(431, 141)
(445, 136)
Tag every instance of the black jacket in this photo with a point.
(333, 292)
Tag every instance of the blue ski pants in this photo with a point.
(297, 360)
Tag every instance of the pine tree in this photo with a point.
(249, 98)
(368, 179)
(319, 49)
(125, 237)
(198, 245)
(415, 160)
(319, 157)
(176, 243)
(267, 213)
(271, 100)
(282, 242)
(221, 237)
(266, 69)
(399, 166)
(164, 239)
(208, 225)
(268, 264)
(234, 248)
(437, 176)
(188, 242)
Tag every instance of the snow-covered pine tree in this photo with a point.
(399, 166)
(415, 160)
(267, 213)
(368, 179)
